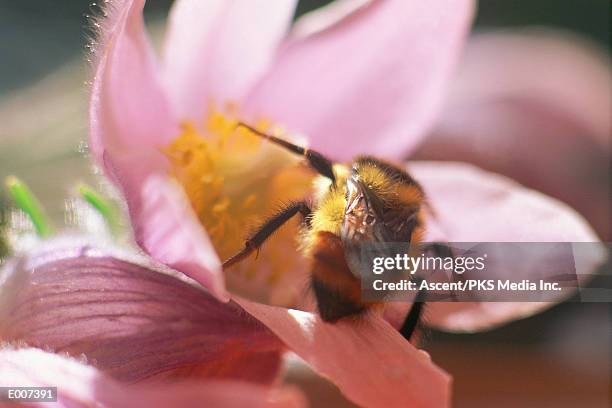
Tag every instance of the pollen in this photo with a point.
(234, 180)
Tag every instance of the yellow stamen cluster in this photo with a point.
(234, 180)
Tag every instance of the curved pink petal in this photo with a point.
(371, 363)
(131, 321)
(215, 50)
(472, 205)
(80, 385)
(129, 112)
(130, 121)
(166, 227)
(534, 106)
(372, 82)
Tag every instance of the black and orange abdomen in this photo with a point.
(336, 288)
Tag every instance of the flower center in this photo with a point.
(235, 180)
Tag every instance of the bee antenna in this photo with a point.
(316, 160)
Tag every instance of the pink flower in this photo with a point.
(355, 77)
(378, 100)
(233, 56)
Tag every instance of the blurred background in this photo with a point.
(559, 358)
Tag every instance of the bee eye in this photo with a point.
(369, 219)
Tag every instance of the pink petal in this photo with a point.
(130, 121)
(534, 106)
(367, 359)
(472, 205)
(166, 227)
(80, 385)
(216, 49)
(370, 83)
(129, 112)
(131, 321)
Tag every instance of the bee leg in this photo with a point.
(254, 242)
(412, 320)
(414, 315)
(316, 160)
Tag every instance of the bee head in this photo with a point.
(370, 217)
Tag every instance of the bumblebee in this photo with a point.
(367, 202)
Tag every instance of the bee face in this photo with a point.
(363, 213)
(374, 215)
(362, 225)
